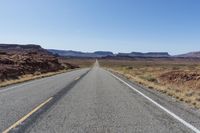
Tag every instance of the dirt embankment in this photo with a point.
(18, 60)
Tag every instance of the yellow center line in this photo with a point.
(26, 116)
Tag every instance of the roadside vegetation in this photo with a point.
(68, 64)
(29, 77)
(179, 78)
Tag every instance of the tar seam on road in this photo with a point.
(77, 78)
(158, 105)
(27, 116)
(32, 117)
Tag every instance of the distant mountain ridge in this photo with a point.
(149, 54)
(97, 54)
(100, 54)
(70, 53)
(190, 54)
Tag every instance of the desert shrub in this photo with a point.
(129, 67)
(149, 78)
(175, 68)
(37, 73)
(189, 93)
(2, 52)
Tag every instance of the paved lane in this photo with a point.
(18, 100)
(99, 103)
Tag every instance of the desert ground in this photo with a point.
(80, 62)
(178, 78)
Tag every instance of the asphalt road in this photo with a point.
(18, 100)
(97, 102)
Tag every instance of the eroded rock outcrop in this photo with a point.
(17, 60)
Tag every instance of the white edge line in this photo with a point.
(7, 88)
(3, 89)
(160, 106)
(26, 83)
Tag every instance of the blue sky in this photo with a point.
(111, 25)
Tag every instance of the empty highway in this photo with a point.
(92, 100)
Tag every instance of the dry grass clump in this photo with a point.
(177, 78)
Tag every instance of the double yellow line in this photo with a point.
(26, 116)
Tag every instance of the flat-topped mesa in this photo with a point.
(158, 54)
(149, 54)
(21, 49)
(104, 53)
(70, 53)
(17, 46)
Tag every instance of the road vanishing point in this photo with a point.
(92, 100)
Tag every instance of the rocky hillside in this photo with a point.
(17, 60)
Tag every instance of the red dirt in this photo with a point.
(190, 79)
